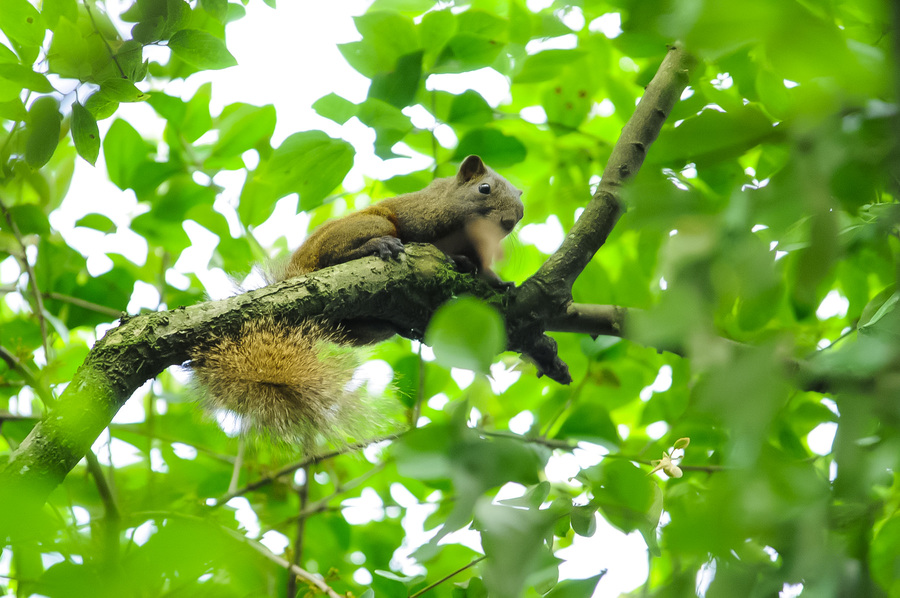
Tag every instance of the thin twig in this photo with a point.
(565, 446)
(446, 577)
(102, 309)
(321, 505)
(633, 459)
(542, 440)
(12, 132)
(238, 464)
(7, 416)
(283, 563)
(300, 464)
(28, 376)
(32, 280)
(303, 494)
(109, 501)
(140, 430)
(303, 574)
(113, 516)
(420, 392)
(573, 396)
(109, 49)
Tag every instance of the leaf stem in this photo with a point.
(112, 55)
(446, 577)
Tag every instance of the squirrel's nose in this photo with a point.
(508, 223)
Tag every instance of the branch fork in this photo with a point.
(405, 291)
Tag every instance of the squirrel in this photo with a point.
(293, 381)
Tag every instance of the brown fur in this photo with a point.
(445, 213)
(287, 381)
(293, 381)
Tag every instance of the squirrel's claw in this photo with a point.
(386, 247)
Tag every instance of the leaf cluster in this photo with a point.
(769, 198)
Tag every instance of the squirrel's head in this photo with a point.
(498, 201)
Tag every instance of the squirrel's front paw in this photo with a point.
(386, 247)
(464, 264)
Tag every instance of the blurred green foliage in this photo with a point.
(772, 187)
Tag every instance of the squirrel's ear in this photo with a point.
(470, 168)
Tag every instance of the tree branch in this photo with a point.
(547, 294)
(405, 292)
(596, 320)
(604, 210)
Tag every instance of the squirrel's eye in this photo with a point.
(484, 188)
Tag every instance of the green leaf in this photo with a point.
(310, 163)
(100, 105)
(399, 86)
(7, 56)
(495, 148)
(170, 108)
(43, 129)
(122, 90)
(242, 127)
(30, 219)
(335, 107)
(467, 52)
(513, 541)
(546, 65)
(124, 150)
(71, 55)
(402, 5)
(197, 119)
(881, 305)
(575, 588)
(52, 10)
(584, 520)
(85, 133)
(25, 77)
(97, 222)
(386, 37)
(435, 30)
(466, 333)
(713, 135)
(885, 556)
(624, 493)
(201, 49)
(130, 57)
(13, 110)
(592, 422)
(218, 9)
(390, 125)
(470, 108)
(22, 23)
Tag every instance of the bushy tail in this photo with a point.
(290, 382)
